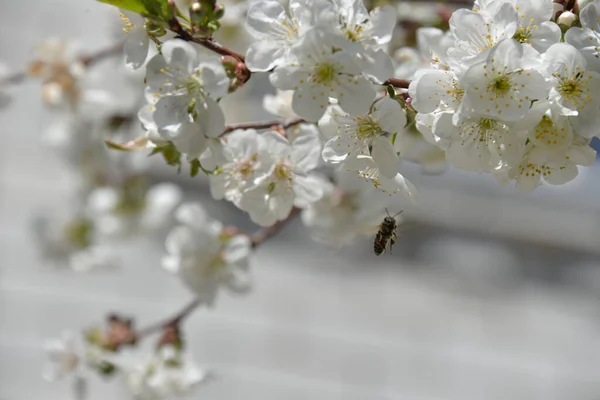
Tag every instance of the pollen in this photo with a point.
(325, 73)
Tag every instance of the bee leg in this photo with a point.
(393, 241)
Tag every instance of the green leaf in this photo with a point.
(394, 138)
(158, 9)
(131, 5)
(195, 167)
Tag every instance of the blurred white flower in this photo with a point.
(165, 374)
(73, 242)
(65, 356)
(205, 256)
(132, 209)
(280, 104)
(349, 209)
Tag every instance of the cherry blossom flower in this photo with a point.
(204, 256)
(367, 133)
(318, 72)
(290, 181)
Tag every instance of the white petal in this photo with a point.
(308, 189)
(136, 48)
(212, 119)
(375, 64)
(310, 102)
(389, 115)
(190, 140)
(170, 115)
(546, 34)
(180, 54)
(261, 18)
(237, 249)
(383, 20)
(385, 157)
(306, 151)
(355, 97)
(262, 56)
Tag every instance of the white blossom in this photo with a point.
(276, 31)
(367, 169)
(555, 168)
(128, 210)
(367, 133)
(503, 86)
(478, 144)
(246, 162)
(574, 87)
(187, 87)
(65, 356)
(204, 256)
(289, 182)
(364, 33)
(587, 38)
(73, 242)
(315, 71)
(476, 33)
(164, 375)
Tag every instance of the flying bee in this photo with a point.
(386, 233)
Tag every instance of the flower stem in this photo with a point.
(263, 125)
(172, 322)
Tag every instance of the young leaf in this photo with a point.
(158, 9)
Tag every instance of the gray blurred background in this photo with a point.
(490, 294)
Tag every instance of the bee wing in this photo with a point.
(407, 226)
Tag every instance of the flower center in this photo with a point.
(215, 264)
(367, 128)
(547, 133)
(282, 171)
(522, 35)
(575, 89)
(500, 85)
(325, 73)
(353, 34)
(245, 168)
(79, 233)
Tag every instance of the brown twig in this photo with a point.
(399, 83)
(209, 42)
(263, 234)
(87, 60)
(263, 125)
(172, 322)
(91, 59)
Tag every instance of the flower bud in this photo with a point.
(567, 19)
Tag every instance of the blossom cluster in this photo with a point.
(504, 94)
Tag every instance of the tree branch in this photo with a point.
(398, 83)
(172, 322)
(209, 43)
(87, 60)
(263, 125)
(258, 238)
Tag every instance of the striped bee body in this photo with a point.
(385, 235)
